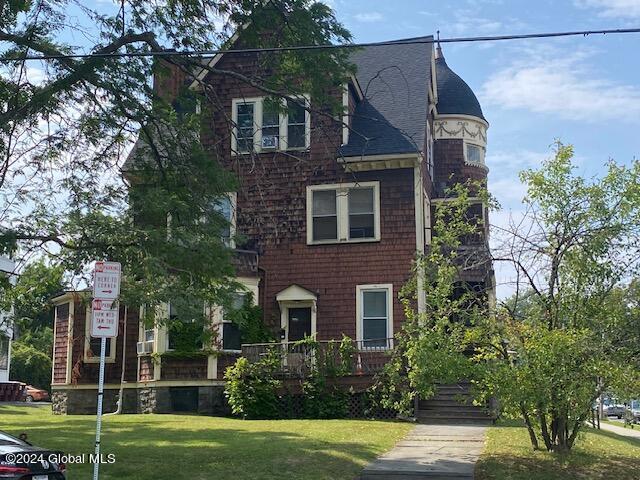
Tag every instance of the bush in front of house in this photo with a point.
(252, 389)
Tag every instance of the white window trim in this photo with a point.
(360, 289)
(87, 337)
(342, 212)
(141, 331)
(482, 154)
(250, 287)
(257, 132)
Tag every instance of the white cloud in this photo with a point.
(562, 84)
(612, 8)
(368, 17)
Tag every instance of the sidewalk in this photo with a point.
(431, 452)
(623, 432)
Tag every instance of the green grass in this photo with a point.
(159, 447)
(597, 455)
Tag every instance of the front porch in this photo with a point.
(338, 358)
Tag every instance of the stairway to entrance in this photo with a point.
(452, 405)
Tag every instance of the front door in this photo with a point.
(299, 323)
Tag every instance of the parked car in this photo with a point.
(615, 410)
(19, 460)
(36, 394)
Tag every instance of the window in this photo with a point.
(226, 207)
(343, 213)
(92, 345)
(374, 315)
(270, 127)
(296, 125)
(185, 325)
(259, 125)
(325, 215)
(4, 352)
(361, 213)
(475, 154)
(231, 339)
(245, 113)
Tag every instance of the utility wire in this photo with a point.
(404, 41)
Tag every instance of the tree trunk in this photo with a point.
(545, 433)
(532, 433)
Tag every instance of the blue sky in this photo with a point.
(583, 91)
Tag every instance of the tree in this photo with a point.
(569, 333)
(432, 346)
(560, 341)
(64, 136)
(32, 316)
(30, 365)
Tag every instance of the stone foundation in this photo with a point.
(210, 401)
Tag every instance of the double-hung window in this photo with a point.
(245, 122)
(226, 206)
(343, 213)
(374, 322)
(231, 339)
(296, 125)
(260, 125)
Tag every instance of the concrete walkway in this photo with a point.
(433, 452)
(623, 432)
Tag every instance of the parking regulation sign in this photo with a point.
(106, 280)
(104, 318)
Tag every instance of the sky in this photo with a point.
(581, 90)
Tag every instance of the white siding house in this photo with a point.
(6, 331)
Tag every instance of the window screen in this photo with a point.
(325, 218)
(374, 318)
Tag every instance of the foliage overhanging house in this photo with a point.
(334, 217)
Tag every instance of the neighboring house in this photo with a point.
(7, 268)
(331, 236)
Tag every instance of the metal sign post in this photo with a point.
(104, 324)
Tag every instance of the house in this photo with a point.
(7, 268)
(334, 210)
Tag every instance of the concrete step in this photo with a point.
(458, 409)
(445, 414)
(413, 476)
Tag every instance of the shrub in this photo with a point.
(323, 401)
(252, 389)
(29, 365)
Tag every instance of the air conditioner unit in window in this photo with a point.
(144, 347)
(269, 141)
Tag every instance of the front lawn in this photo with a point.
(159, 447)
(597, 455)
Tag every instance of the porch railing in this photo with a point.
(337, 357)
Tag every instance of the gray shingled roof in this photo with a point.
(393, 116)
(454, 95)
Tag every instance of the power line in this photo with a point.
(404, 41)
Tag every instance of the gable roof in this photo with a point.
(395, 81)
